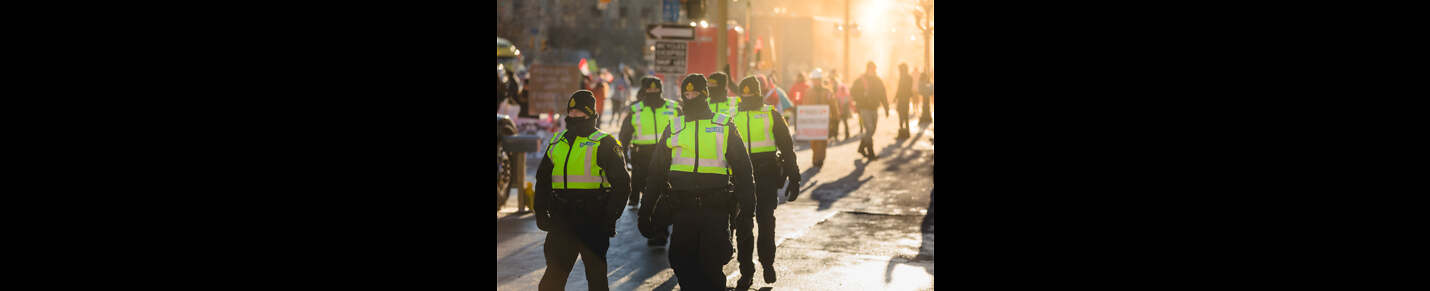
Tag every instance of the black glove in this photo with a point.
(792, 190)
(643, 224)
(543, 221)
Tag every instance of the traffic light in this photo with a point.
(694, 9)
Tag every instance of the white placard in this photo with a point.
(811, 122)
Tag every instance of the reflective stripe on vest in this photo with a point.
(731, 106)
(573, 163)
(647, 121)
(699, 146)
(757, 127)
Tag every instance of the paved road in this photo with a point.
(856, 226)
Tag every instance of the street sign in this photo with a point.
(670, 57)
(670, 31)
(811, 122)
(551, 86)
(670, 10)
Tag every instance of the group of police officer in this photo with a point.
(703, 169)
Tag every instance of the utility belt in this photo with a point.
(582, 197)
(641, 148)
(713, 198)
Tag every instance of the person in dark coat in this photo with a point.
(581, 187)
(868, 94)
(902, 97)
(704, 183)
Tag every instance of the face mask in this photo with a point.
(653, 98)
(580, 124)
(698, 102)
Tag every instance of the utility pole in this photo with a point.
(721, 34)
(927, 30)
(847, 72)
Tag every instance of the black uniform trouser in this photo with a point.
(768, 179)
(640, 159)
(700, 246)
(903, 108)
(578, 231)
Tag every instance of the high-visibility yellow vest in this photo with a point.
(699, 146)
(756, 128)
(729, 107)
(573, 163)
(648, 121)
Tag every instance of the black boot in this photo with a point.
(744, 283)
(769, 273)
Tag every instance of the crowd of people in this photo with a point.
(702, 168)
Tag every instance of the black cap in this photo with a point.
(694, 83)
(718, 82)
(649, 82)
(584, 101)
(750, 86)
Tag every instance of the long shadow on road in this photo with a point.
(926, 245)
(512, 226)
(830, 192)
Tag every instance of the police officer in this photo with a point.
(719, 103)
(580, 187)
(765, 132)
(702, 156)
(640, 131)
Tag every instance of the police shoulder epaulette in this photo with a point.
(598, 135)
(557, 138)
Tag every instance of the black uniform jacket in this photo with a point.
(741, 172)
(783, 141)
(611, 160)
(628, 130)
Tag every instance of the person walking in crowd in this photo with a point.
(901, 99)
(765, 134)
(868, 93)
(926, 89)
(719, 102)
(580, 186)
(640, 131)
(841, 97)
(702, 157)
(799, 90)
(599, 90)
(821, 95)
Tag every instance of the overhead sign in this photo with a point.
(551, 86)
(670, 31)
(670, 57)
(811, 122)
